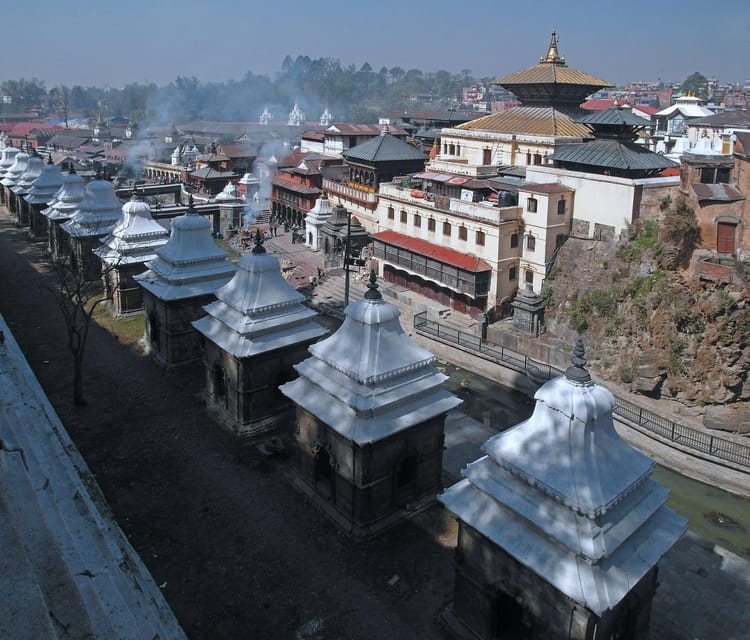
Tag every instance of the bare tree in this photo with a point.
(77, 298)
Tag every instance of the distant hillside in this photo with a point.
(654, 328)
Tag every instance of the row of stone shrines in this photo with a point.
(560, 525)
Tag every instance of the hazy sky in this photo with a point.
(101, 42)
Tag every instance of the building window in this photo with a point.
(561, 207)
(529, 276)
(531, 243)
(528, 157)
(514, 241)
(447, 229)
(486, 156)
(391, 213)
(479, 239)
(462, 233)
(513, 273)
(714, 175)
(403, 217)
(531, 205)
(537, 158)
(431, 225)
(417, 220)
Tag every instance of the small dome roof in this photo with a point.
(33, 170)
(15, 170)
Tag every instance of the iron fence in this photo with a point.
(706, 443)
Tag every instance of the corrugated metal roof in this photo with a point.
(617, 116)
(384, 148)
(613, 154)
(544, 121)
(721, 192)
(436, 252)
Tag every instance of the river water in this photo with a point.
(713, 514)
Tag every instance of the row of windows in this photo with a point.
(463, 232)
(532, 203)
(528, 275)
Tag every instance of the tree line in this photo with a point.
(349, 92)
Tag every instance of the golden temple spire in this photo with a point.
(552, 54)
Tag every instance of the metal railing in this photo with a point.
(641, 418)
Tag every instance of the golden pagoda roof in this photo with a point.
(530, 120)
(551, 69)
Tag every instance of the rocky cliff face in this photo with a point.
(654, 327)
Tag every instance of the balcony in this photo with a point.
(365, 196)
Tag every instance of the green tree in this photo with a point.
(697, 84)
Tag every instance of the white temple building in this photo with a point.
(96, 217)
(560, 525)
(61, 208)
(124, 253)
(265, 117)
(254, 333)
(315, 219)
(296, 116)
(182, 278)
(41, 193)
(370, 415)
(7, 160)
(230, 193)
(326, 118)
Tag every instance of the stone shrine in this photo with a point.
(97, 214)
(254, 333)
(124, 254)
(42, 192)
(180, 281)
(7, 160)
(370, 414)
(61, 208)
(12, 176)
(315, 219)
(560, 525)
(22, 187)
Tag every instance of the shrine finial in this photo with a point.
(372, 292)
(577, 372)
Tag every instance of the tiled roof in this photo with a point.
(384, 148)
(24, 128)
(282, 183)
(720, 192)
(612, 154)
(616, 116)
(551, 73)
(545, 121)
(545, 187)
(348, 129)
(735, 117)
(207, 173)
(436, 252)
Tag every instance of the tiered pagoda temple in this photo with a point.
(370, 414)
(182, 279)
(22, 187)
(560, 525)
(95, 218)
(61, 208)
(315, 219)
(42, 192)
(254, 333)
(125, 252)
(550, 93)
